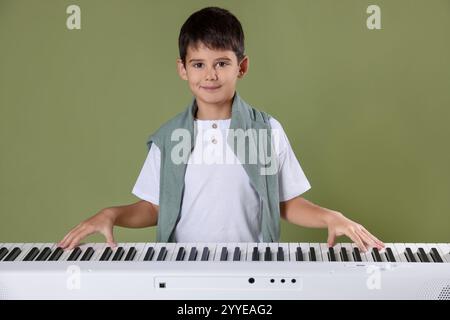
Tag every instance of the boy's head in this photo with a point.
(211, 45)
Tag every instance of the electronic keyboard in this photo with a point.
(224, 271)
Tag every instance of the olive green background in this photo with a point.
(366, 111)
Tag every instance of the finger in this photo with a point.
(331, 238)
(377, 241)
(110, 238)
(367, 240)
(64, 242)
(77, 237)
(357, 240)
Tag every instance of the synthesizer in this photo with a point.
(223, 271)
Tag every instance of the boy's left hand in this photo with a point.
(339, 225)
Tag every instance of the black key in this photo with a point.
(106, 254)
(45, 253)
(267, 254)
(409, 255)
(376, 255)
(299, 254)
(205, 254)
(237, 254)
(331, 255)
(422, 255)
(3, 252)
(75, 254)
(224, 254)
(344, 255)
(433, 253)
(88, 254)
(181, 253)
(390, 255)
(255, 254)
(13, 254)
(280, 254)
(162, 254)
(312, 254)
(119, 254)
(193, 254)
(130, 254)
(56, 254)
(356, 254)
(149, 254)
(32, 254)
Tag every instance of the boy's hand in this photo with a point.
(102, 222)
(339, 225)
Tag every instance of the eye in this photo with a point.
(197, 65)
(222, 64)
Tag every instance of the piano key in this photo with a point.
(149, 253)
(237, 254)
(224, 254)
(422, 255)
(344, 254)
(162, 255)
(106, 254)
(267, 254)
(13, 254)
(312, 254)
(3, 252)
(317, 251)
(180, 254)
(141, 250)
(280, 254)
(445, 251)
(349, 250)
(401, 252)
(75, 254)
(255, 254)
(390, 255)
(414, 250)
(285, 250)
(131, 254)
(193, 254)
(355, 252)
(44, 254)
(120, 251)
(299, 254)
(205, 254)
(409, 255)
(435, 255)
(56, 254)
(25, 250)
(87, 255)
(331, 254)
(32, 254)
(425, 254)
(376, 255)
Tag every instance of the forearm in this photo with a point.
(137, 215)
(304, 213)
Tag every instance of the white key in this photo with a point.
(292, 250)
(141, 250)
(26, 248)
(98, 248)
(445, 249)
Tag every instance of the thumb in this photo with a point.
(331, 238)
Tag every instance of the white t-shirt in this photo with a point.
(219, 202)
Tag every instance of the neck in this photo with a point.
(208, 111)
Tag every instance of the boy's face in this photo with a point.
(212, 74)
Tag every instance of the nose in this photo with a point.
(211, 74)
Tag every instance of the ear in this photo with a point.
(243, 67)
(181, 69)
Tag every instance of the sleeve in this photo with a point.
(147, 184)
(292, 181)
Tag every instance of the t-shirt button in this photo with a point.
(214, 141)
(214, 125)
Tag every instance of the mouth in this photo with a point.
(210, 88)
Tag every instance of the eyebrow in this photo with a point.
(201, 60)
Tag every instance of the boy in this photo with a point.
(209, 201)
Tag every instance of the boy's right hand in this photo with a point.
(102, 222)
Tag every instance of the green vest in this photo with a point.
(172, 174)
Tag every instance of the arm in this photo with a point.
(137, 215)
(304, 213)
